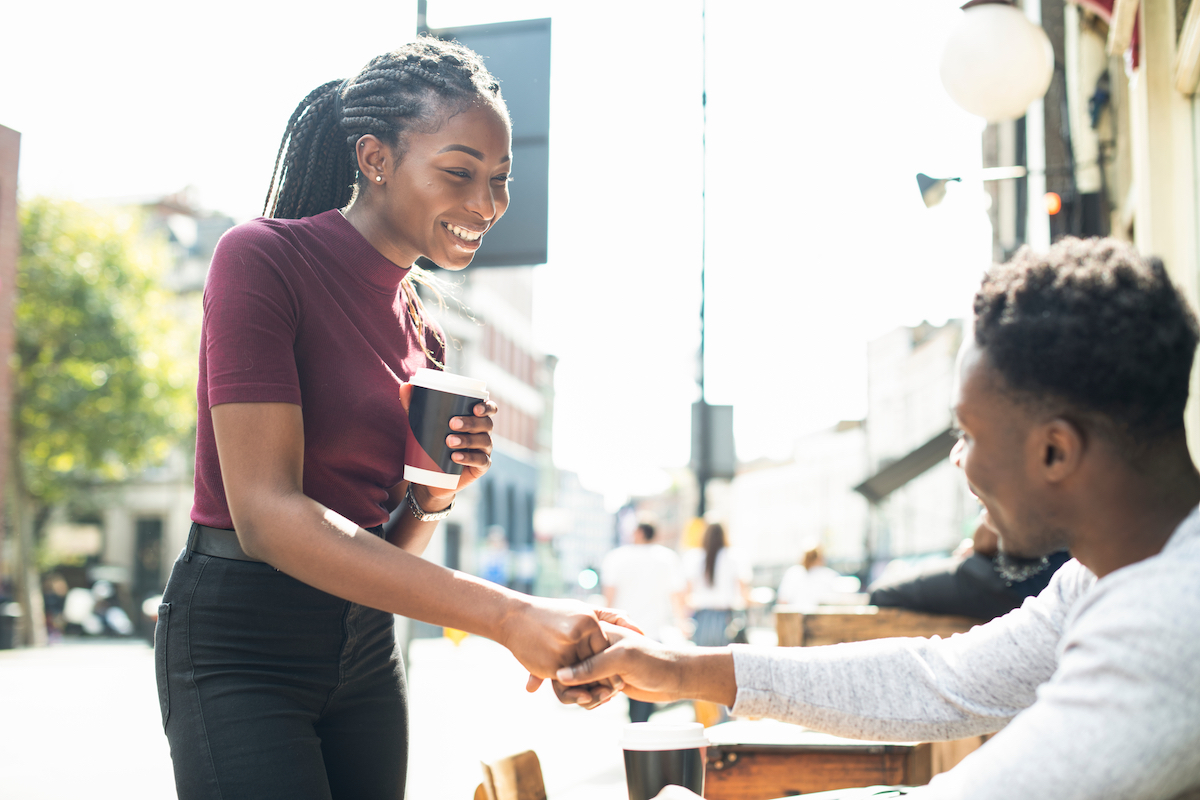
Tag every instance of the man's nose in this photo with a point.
(956, 454)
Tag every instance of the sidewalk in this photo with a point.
(81, 720)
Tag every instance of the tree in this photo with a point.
(103, 371)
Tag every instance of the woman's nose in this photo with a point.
(483, 202)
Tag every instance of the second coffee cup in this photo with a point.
(436, 398)
(659, 755)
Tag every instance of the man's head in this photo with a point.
(1084, 350)
(643, 533)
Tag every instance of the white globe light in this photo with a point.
(997, 62)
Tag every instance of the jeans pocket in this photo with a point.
(160, 660)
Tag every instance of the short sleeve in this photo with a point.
(251, 314)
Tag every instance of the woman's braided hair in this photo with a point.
(409, 89)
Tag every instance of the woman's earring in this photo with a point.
(379, 178)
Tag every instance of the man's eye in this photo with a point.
(503, 178)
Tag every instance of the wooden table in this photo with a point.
(836, 624)
(758, 759)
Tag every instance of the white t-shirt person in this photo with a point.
(644, 580)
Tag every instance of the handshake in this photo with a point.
(600, 653)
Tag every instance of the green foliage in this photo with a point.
(103, 369)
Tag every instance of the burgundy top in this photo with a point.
(306, 311)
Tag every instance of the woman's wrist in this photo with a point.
(428, 501)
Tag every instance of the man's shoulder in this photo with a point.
(1157, 598)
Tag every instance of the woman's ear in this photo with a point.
(372, 156)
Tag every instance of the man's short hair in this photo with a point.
(1091, 328)
(647, 531)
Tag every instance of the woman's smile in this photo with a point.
(467, 239)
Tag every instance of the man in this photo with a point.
(1070, 398)
(645, 580)
(969, 583)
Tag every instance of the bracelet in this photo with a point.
(420, 513)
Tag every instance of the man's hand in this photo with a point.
(653, 672)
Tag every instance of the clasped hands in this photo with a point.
(641, 668)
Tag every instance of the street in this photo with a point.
(82, 720)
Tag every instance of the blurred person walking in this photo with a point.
(277, 666)
(645, 580)
(718, 584)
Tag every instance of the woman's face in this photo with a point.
(450, 187)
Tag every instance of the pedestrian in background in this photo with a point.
(645, 580)
(718, 585)
(806, 584)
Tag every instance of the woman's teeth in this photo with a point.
(463, 233)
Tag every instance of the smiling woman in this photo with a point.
(277, 668)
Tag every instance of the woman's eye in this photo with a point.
(461, 173)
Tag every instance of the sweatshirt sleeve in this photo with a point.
(913, 689)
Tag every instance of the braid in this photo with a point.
(408, 89)
(312, 148)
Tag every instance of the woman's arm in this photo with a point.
(261, 450)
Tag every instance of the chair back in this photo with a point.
(517, 777)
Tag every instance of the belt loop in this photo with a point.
(191, 542)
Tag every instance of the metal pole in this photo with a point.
(703, 468)
(422, 25)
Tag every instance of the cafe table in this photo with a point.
(757, 759)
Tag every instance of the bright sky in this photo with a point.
(819, 116)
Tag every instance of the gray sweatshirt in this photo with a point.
(1095, 683)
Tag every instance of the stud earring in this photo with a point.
(379, 178)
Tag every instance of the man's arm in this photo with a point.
(1118, 720)
(907, 689)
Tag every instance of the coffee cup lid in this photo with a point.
(663, 736)
(449, 382)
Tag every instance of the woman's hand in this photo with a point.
(546, 634)
(593, 694)
(471, 440)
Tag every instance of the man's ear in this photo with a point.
(1062, 448)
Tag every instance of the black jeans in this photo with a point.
(270, 688)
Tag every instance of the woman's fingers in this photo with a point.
(471, 424)
(617, 618)
(472, 458)
(465, 441)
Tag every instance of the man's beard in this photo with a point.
(1014, 569)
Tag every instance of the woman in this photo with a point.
(717, 584)
(277, 668)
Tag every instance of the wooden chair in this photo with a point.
(517, 777)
